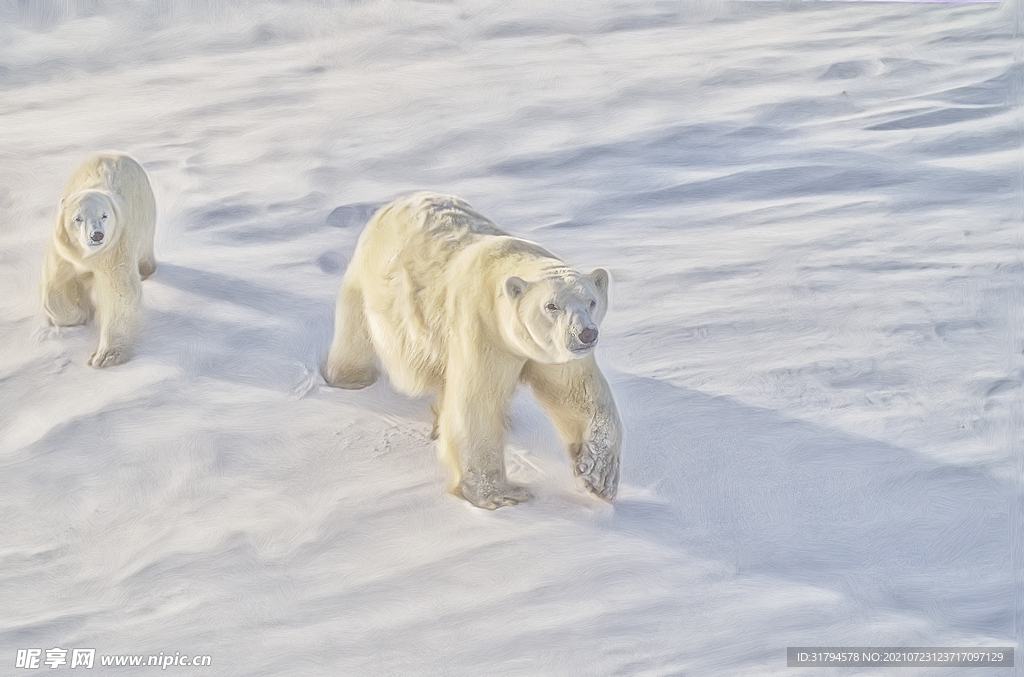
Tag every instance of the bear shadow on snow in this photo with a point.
(789, 499)
(289, 332)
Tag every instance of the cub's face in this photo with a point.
(556, 318)
(89, 221)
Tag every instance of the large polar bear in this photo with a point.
(101, 250)
(448, 303)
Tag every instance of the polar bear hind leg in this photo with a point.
(350, 361)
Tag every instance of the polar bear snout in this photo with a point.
(582, 342)
(94, 235)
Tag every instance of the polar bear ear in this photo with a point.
(514, 287)
(599, 276)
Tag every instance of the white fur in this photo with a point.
(448, 303)
(101, 250)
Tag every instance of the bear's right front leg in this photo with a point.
(490, 490)
(471, 432)
(64, 299)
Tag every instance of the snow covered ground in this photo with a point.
(812, 215)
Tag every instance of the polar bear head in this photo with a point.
(89, 221)
(555, 318)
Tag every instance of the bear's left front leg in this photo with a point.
(117, 296)
(580, 404)
(471, 432)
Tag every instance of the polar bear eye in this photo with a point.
(104, 216)
(551, 306)
(593, 304)
(78, 219)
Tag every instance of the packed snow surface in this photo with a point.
(812, 218)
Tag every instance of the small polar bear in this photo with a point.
(448, 303)
(101, 250)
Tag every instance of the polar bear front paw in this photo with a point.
(108, 357)
(491, 493)
(599, 471)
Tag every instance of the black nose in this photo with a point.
(97, 236)
(588, 335)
